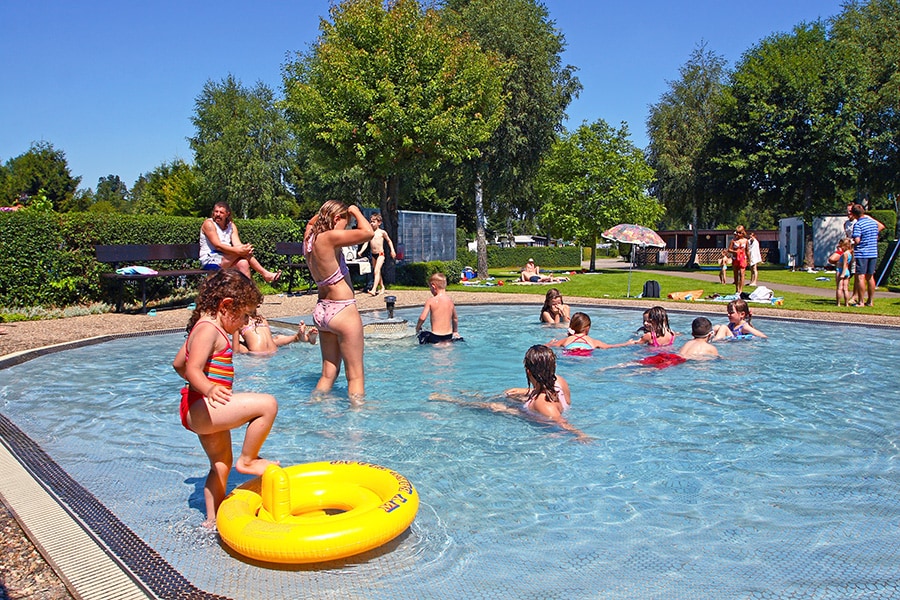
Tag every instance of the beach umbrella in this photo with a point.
(636, 235)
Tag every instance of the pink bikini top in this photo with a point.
(342, 271)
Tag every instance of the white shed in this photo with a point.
(827, 232)
(791, 241)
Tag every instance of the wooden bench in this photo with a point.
(294, 261)
(135, 254)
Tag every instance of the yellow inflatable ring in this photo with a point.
(317, 511)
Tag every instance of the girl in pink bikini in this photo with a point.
(336, 317)
(579, 342)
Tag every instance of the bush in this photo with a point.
(47, 259)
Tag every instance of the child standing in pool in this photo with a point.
(657, 332)
(842, 258)
(579, 341)
(555, 310)
(209, 407)
(442, 311)
(739, 318)
(336, 316)
(256, 337)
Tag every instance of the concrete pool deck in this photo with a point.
(22, 337)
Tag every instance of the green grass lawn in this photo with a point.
(613, 284)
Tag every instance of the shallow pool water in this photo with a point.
(771, 473)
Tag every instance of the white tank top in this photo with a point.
(208, 254)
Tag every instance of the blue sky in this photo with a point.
(113, 83)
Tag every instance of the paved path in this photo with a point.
(713, 277)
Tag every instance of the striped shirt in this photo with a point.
(866, 229)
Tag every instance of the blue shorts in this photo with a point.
(211, 267)
(866, 266)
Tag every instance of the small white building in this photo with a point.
(828, 230)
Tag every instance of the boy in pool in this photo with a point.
(699, 347)
(440, 307)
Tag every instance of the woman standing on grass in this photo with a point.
(738, 252)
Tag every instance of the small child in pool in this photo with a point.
(209, 407)
(579, 342)
(739, 318)
(256, 337)
(699, 347)
(555, 310)
(657, 332)
(440, 307)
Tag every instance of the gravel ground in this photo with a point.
(24, 574)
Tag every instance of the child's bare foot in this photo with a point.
(253, 466)
(305, 335)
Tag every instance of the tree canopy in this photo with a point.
(42, 171)
(592, 179)
(389, 89)
(242, 149)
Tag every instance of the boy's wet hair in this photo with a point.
(701, 327)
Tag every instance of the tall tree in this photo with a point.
(867, 40)
(681, 127)
(242, 148)
(592, 179)
(538, 90)
(41, 172)
(785, 137)
(390, 89)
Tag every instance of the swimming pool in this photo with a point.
(769, 474)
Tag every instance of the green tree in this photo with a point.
(170, 189)
(785, 139)
(391, 90)
(867, 40)
(41, 170)
(111, 194)
(592, 179)
(681, 127)
(243, 149)
(537, 87)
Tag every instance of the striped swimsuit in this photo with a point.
(219, 369)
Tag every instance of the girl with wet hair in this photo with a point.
(656, 330)
(555, 310)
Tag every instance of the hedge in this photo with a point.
(47, 259)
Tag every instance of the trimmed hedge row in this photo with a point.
(47, 259)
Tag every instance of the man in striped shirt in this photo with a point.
(865, 254)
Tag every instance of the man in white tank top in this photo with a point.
(221, 246)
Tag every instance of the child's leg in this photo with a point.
(218, 449)
(331, 359)
(348, 327)
(258, 429)
(838, 292)
(258, 410)
(379, 263)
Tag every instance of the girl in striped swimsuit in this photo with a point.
(209, 407)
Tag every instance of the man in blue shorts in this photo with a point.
(865, 254)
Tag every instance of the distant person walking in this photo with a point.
(865, 239)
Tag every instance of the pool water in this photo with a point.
(771, 473)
